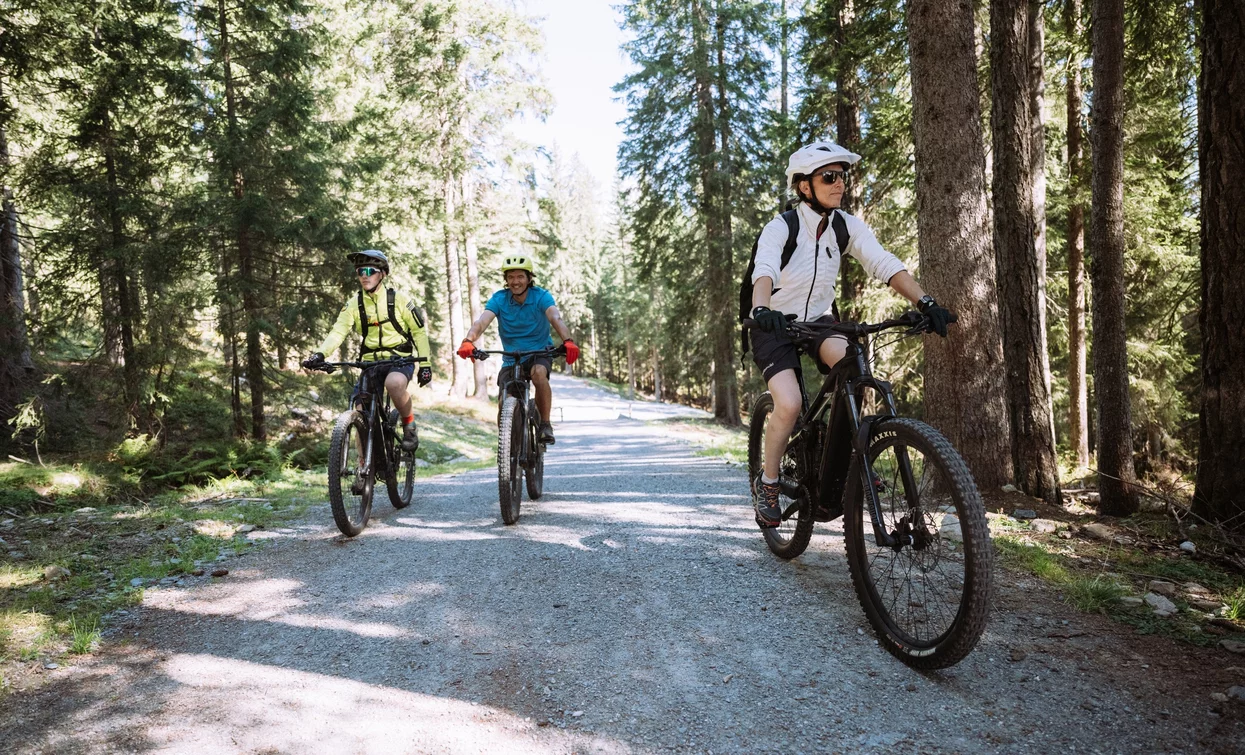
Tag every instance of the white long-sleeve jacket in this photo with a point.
(805, 287)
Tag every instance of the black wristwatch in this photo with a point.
(925, 302)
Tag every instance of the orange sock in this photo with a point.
(408, 420)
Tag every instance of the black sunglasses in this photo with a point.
(365, 272)
(831, 177)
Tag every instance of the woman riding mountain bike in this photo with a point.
(391, 326)
(793, 277)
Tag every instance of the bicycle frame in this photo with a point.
(841, 397)
(374, 402)
(519, 385)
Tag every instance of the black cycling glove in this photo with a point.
(769, 320)
(939, 316)
(425, 375)
(314, 361)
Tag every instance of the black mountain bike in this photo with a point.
(367, 444)
(520, 454)
(918, 547)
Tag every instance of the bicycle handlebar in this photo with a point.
(551, 351)
(914, 321)
(393, 362)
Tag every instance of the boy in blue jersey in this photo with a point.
(524, 314)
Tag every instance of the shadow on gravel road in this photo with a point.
(633, 608)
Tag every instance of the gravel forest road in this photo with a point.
(634, 608)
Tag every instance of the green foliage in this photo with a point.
(85, 635)
(1094, 593)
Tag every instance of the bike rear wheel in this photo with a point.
(350, 496)
(928, 599)
(535, 473)
(509, 472)
(401, 480)
(790, 538)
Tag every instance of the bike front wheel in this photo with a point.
(350, 493)
(509, 472)
(928, 595)
(535, 473)
(790, 538)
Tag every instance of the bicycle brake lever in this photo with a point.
(477, 354)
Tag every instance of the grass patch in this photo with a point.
(715, 439)
(85, 635)
(1093, 594)
(1031, 558)
(1235, 605)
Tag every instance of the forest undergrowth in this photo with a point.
(84, 532)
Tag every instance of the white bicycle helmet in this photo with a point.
(810, 157)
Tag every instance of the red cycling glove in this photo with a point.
(467, 349)
(572, 351)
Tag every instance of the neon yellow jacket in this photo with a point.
(381, 334)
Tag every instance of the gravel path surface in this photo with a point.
(634, 608)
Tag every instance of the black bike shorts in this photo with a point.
(507, 373)
(774, 352)
(377, 375)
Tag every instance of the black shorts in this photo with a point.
(377, 375)
(774, 352)
(506, 374)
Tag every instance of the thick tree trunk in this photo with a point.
(453, 286)
(473, 280)
(247, 280)
(1020, 265)
(119, 269)
(656, 376)
(1116, 475)
(964, 388)
(1220, 493)
(1078, 394)
(16, 366)
(715, 210)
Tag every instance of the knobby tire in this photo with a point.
(791, 538)
(509, 474)
(953, 578)
(351, 512)
(535, 473)
(400, 482)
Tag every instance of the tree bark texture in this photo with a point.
(453, 286)
(1078, 394)
(847, 128)
(964, 390)
(1220, 492)
(1020, 266)
(711, 124)
(1116, 475)
(247, 279)
(16, 365)
(473, 281)
(119, 270)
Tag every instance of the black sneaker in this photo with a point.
(410, 437)
(546, 434)
(765, 500)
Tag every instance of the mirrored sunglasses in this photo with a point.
(367, 271)
(831, 177)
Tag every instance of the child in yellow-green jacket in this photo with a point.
(391, 326)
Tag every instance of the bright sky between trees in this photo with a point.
(582, 62)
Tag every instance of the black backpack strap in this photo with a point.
(840, 235)
(793, 236)
(840, 232)
(363, 323)
(409, 346)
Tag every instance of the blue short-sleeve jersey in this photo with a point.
(523, 327)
